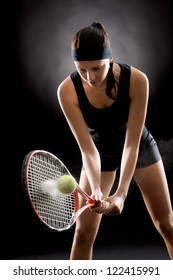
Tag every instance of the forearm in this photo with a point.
(92, 166)
(128, 164)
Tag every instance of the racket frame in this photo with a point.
(78, 190)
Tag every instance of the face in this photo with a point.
(94, 72)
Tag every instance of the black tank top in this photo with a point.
(107, 126)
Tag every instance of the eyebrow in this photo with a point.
(95, 66)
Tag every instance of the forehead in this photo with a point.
(90, 64)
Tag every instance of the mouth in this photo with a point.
(92, 83)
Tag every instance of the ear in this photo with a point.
(110, 60)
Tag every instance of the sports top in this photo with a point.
(107, 126)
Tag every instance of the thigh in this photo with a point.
(88, 219)
(107, 180)
(152, 182)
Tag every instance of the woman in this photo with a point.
(105, 105)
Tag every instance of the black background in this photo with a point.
(37, 59)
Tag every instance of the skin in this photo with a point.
(151, 180)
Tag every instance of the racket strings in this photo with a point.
(56, 210)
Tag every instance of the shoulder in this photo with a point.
(66, 91)
(138, 76)
(139, 80)
(65, 86)
(139, 84)
(122, 72)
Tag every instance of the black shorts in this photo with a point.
(148, 155)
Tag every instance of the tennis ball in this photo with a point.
(66, 184)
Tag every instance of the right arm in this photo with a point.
(68, 101)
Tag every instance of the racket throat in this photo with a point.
(80, 211)
(86, 196)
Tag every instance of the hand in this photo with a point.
(97, 195)
(100, 205)
(116, 205)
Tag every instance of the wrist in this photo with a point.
(95, 188)
(121, 194)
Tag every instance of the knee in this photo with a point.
(85, 235)
(165, 226)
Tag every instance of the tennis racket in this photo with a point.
(57, 212)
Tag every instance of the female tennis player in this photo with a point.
(105, 105)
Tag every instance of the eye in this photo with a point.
(82, 70)
(96, 68)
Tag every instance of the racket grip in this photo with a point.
(105, 205)
(100, 210)
(92, 201)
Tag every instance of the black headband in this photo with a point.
(91, 54)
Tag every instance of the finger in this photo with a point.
(103, 209)
(105, 205)
(113, 212)
(98, 204)
(94, 208)
(97, 209)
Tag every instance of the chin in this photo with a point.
(96, 84)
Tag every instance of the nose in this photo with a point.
(90, 76)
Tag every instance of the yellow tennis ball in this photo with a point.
(66, 184)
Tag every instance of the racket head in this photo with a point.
(56, 212)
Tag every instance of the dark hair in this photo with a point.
(96, 37)
(93, 36)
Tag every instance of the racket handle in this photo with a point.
(86, 196)
(92, 201)
(105, 205)
(102, 209)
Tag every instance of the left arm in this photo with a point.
(139, 92)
